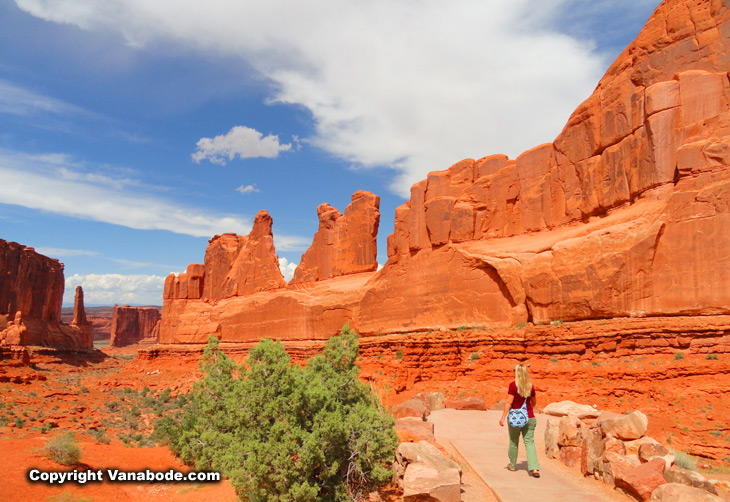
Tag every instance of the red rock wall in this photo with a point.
(623, 215)
(343, 244)
(131, 325)
(31, 294)
(30, 283)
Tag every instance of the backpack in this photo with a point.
(518, 417)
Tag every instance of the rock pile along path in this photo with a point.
(479, 438)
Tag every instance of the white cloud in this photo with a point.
(16, 100)
(287, 268)
(36, 182)
(291, 242)
(108, 289)
(65, 253)
(240, 141)
(414, 86)
(55, 183)
(247, 189)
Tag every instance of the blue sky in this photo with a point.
(131, 132)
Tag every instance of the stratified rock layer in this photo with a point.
(624, 215)
(131, 325)
(343, 245)
(31, 293)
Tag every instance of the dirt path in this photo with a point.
(483, 444)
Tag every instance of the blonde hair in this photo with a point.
(522, 380)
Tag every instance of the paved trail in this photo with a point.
(483, 443)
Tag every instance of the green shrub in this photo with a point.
(678, 356)
(685, 460)
(399, 354)
(712, 356)
(64, 449)
(281, 432)
(474, 356)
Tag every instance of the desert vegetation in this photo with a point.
(283, 432)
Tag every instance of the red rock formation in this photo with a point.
(343, 244)
(79, 321)
(234, 266)
(31, 283)
(623, 215)
(31, 293)
(100, 319)
(131, 325)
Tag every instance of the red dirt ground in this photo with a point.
(64, 391)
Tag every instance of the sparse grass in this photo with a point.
(101, 343)
(68, 496)
(557, 322)
(399, 354)
(685, 460)
(521, 325)
(64, 449)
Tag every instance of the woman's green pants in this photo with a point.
(528, 433)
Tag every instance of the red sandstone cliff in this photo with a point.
(625, 214)
(343, 245)
(31, 293)
(132, 325)
(622, 215)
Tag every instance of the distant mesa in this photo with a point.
(134, 325)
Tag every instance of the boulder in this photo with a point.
(641, 481)
(592, 449)
(613, 465)
(648, 451)
(433, 400)
(675, 492)
(411, 408)
(632, 426)
(552, 450)
(616, 445)
(571, 431)
(428, 474)
(633, 446)
(571, 455)
(689, 478)
(562, 408)
(470, 403)
(414, 429)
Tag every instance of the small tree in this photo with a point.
(285, 433)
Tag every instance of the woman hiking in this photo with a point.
(519, 407)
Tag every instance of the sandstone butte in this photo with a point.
(132, 325)
(624, 215)
(31, 294)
